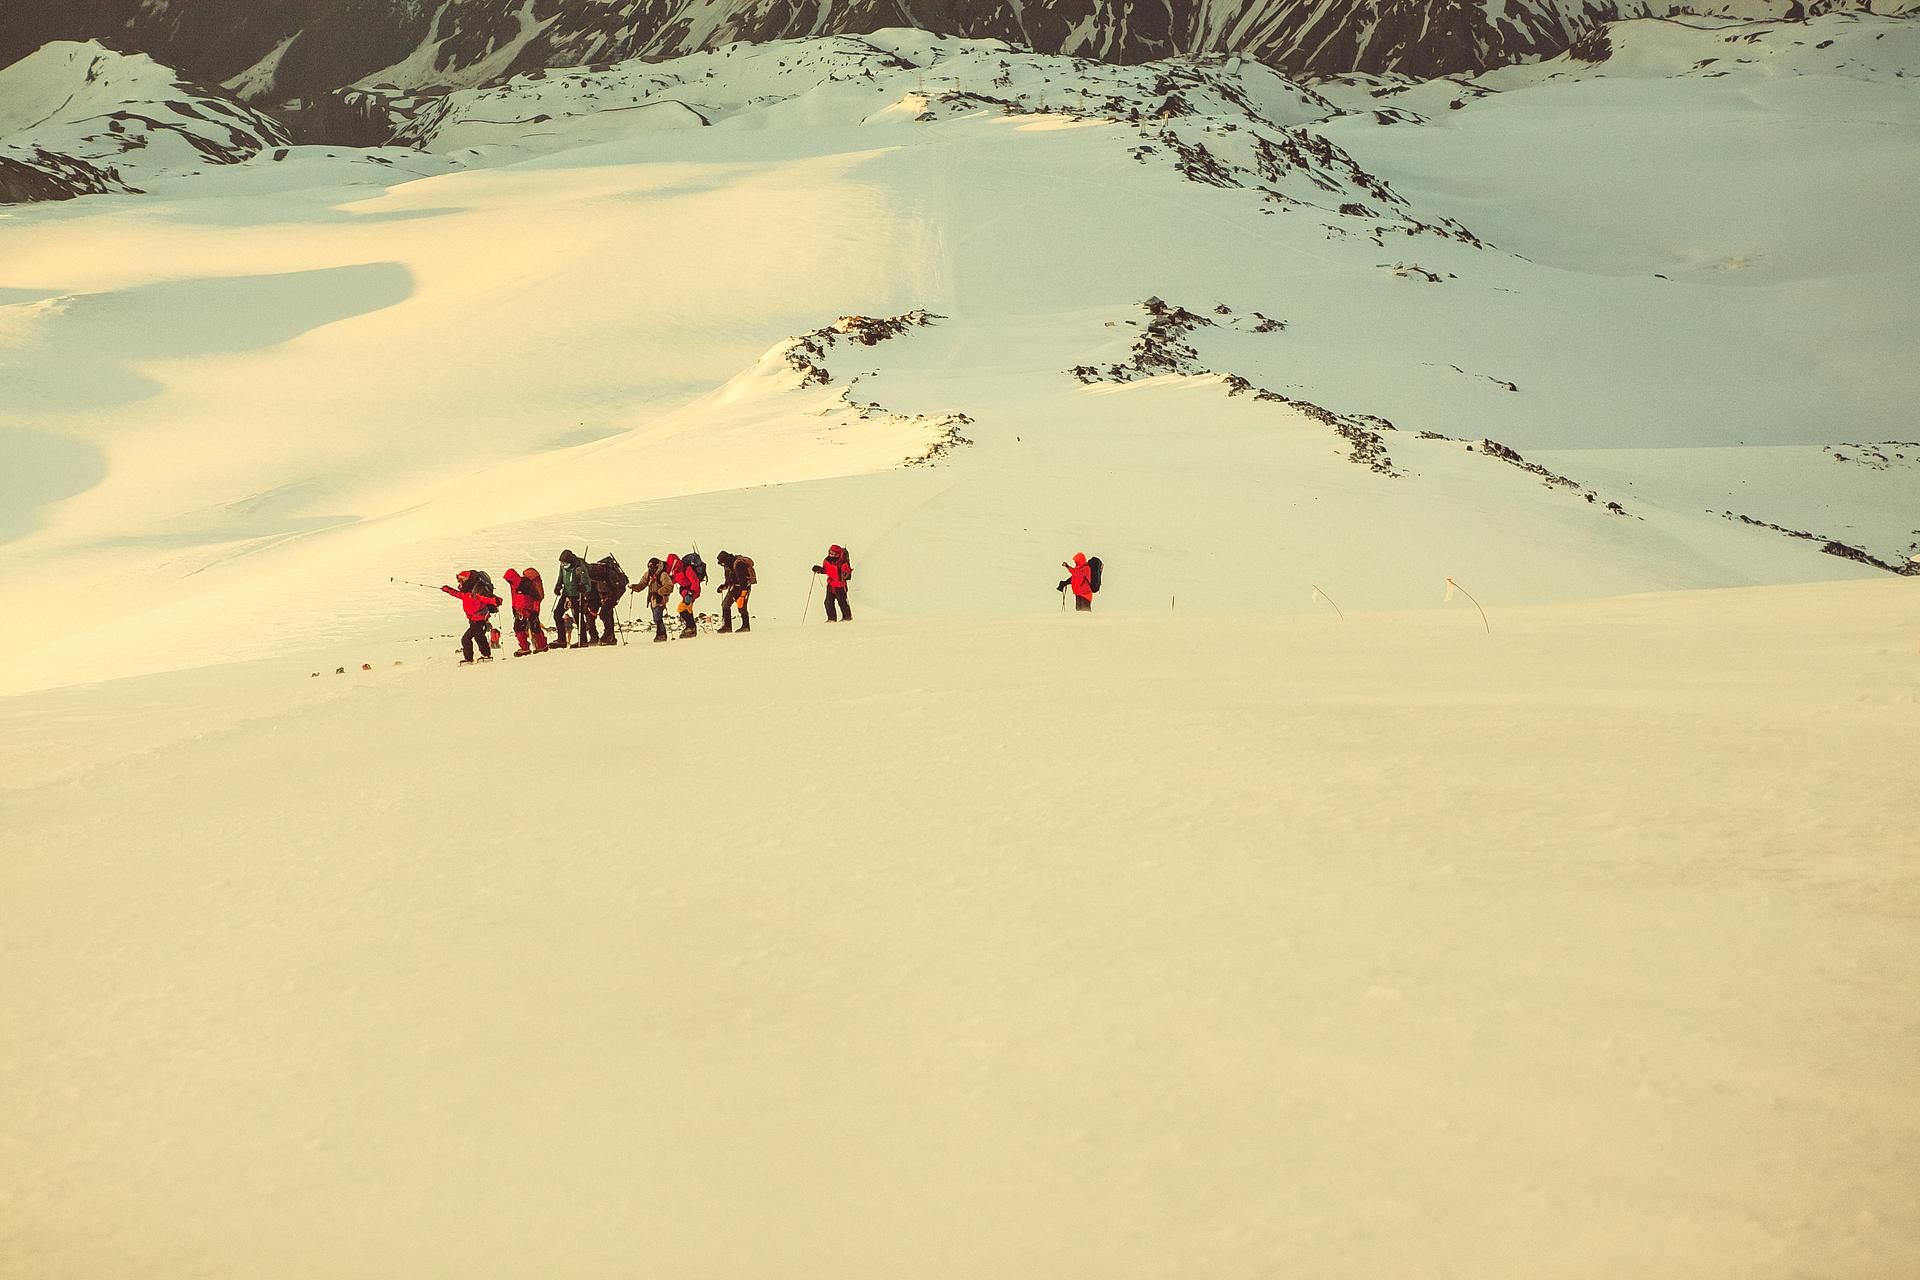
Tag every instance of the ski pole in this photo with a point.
(408, 582)
(808, 607)
(1453, 586)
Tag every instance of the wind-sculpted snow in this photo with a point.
(80, 119)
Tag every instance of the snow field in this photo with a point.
(1225, 939)
(1106, 945)
(246, 403)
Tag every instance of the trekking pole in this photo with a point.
(808, 607)
(408, 582)
(1453, 586)
(1318, 595)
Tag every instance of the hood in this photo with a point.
(1079, 559)
(836, 551)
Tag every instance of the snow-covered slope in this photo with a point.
(78, 119)
(1557, 341)
(1122, 947)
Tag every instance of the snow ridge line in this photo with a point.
(1164, 349)
(807, 355)
(1833, 546)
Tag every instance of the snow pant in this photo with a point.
(527, 629)
(837, 600)
(731, 598)
(659, 622)
(476, 630)
(566, 613)
(688, 627)
(609, 618)
(1083, 604)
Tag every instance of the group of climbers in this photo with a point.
(586, 597)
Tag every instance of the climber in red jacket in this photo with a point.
(479, 607)
(689, 583)
(838, 568)
(529, 592)
(1080, 578)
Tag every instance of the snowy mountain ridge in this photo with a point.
(307, 48)
(80, 119)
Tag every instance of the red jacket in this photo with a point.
(837, 569)
(684, 578)
(528, 591)
(475, 603)
(1079, 577)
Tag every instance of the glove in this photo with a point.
(818, 569)
(1063, 584)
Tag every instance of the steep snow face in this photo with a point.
(77, 118)
(1556, 340)
(310, 47)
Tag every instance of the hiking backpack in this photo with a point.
(745, 565)
(480, 582)
(616, 577)
(532, 587)
(1093, 573)
(695, 565)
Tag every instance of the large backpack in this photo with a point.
(480, 582)
(1093, 572)
(695, 565)
(614, 576)
(744, 565)
(532, 587)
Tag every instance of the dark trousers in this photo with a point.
(564, 614)
(837, 601)
(608, 617)
(476, 631)
(659, 622)
(1083, 604)
(728, 599)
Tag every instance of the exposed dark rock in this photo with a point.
(42, 175)
(1832, 546)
